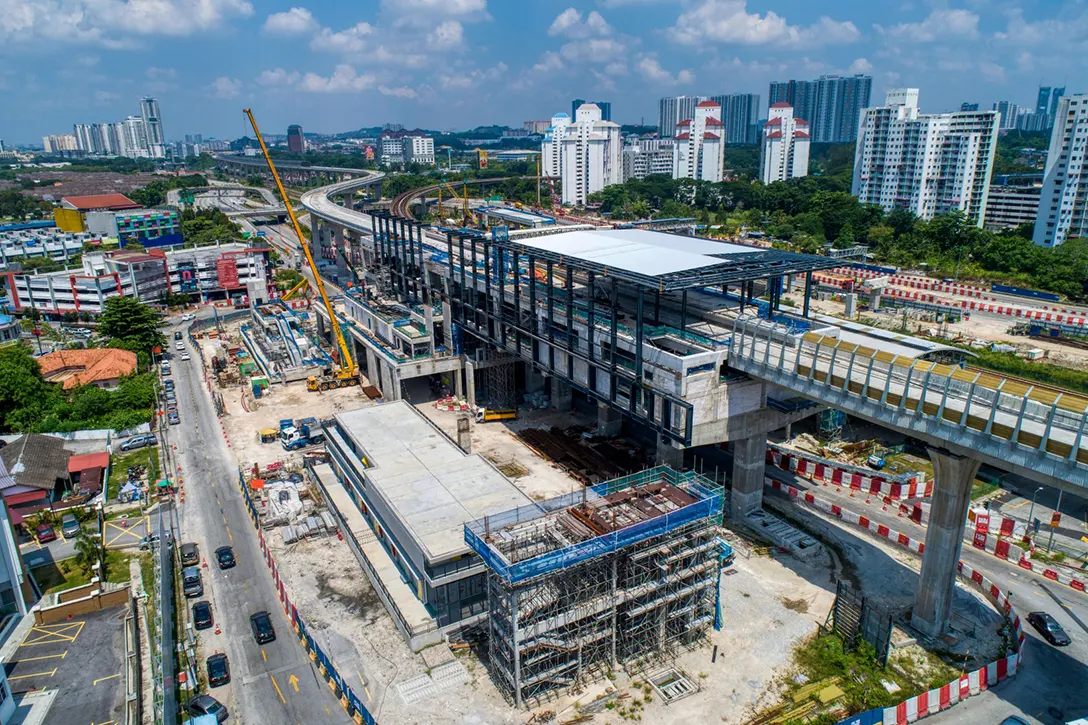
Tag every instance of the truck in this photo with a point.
(300, 433)
(486, 415)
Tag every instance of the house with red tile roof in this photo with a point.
(73, 368)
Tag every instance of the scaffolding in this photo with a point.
(621, 573)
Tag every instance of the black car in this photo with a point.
(225, 556)
(218, 670)
(202, 615)
(206, 705)
(1050, 629)
(261, 624)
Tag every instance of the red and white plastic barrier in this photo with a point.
(822, 470)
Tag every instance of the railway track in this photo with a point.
(1013, 378)
(402, 204)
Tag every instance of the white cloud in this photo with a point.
(593, 50)
(344, 79)
(861, 65)
(938, 25)
(423, 13)
(296, 21)
(105, 97)
(548, 62)
(346, 42)
(448, 34)
(224, 87)
(278, 77)
(398, 57)
(401, 92)
(570, 24)
(626, 3)
(112, 23)
(729, 21)
(651, 70)
(158, 74)
(471, 78)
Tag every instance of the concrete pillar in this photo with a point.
(609, 420)
(952, 479)
(394, 384)
(371, 366)
(851, 301)
(669, 454)
(749, 457)
(560, 393)
(534, 381)
(470, 382)
(464, 434)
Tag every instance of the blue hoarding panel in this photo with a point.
(1021, 292)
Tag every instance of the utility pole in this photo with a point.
(1053, 526)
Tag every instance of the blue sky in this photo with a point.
(335, 65)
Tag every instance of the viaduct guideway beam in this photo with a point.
(953, 476)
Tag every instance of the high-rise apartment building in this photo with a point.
(296, 142)
(135, 135)
(1042, 104)
(551, 148)
(643, 156)
(1010, 113)
(673, 110)
(784, 152)
(740, 114)
(966, 107)
(929, 164)
(832, 104)
(590, 154)
(149, 111)
(605, 106)
(537, 127)
(1063, 203)
(82, 132)
(698, 150)
(59, 143)
(1055, 96)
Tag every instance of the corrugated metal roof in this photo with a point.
(640, 251)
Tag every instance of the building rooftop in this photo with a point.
(518, 216)
(87, 461)
(95, 202)
(73, 368)
(36, 461)
(431, 485)
(665, 261)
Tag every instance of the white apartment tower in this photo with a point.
(1062, 214)
(590, 155)
(784, 153)
(699, 148)
(551, 148)
(927, 163)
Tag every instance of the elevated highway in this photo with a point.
(293, 171)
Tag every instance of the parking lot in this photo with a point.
(83, 658)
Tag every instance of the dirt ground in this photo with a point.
(61, 183)
(768, 606)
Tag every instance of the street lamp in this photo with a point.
(1031, 511)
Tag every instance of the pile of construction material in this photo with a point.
(320, 523)
(587, 458)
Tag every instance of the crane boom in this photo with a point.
(347, 365)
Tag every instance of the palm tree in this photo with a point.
(89, 551)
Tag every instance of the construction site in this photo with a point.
(619, 573)
(276, 335)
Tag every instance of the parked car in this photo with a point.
(174, 419)
(46, 533)
(202, 615)
(179, 345)
(152, 539)
(206, 705)
(261, 624)
(218, 670)
(191, 583)
(70, 526)
(1050, 629)
(140, 441)
(188, 316)
(168, 384)
(190, 554)
(225, 556)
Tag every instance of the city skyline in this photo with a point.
(464, 63)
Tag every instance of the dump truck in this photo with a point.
(486, 415)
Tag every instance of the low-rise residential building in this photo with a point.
(418, 150)
(37, 473)
(101, 367)
(10, 329)
(1011, 206)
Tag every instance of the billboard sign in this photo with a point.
(187, 280)
(227, 270)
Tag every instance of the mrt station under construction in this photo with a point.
(615, 574)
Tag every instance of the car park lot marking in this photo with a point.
(278, 692)
(43, 657)
(134, 529)
(48, 673)
(53, 633)
(107, 677)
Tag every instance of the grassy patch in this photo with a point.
(134, 512)
(980, 489)
(1054, 557)
(119, 468)
(59, 576)
(117, 569)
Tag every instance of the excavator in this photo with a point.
(347, 374)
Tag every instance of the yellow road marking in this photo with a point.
(362, 680)
(36, 674)
(264, 655)
(103, 679)
(1015, 505)
(328, 711)
(53, 633)
(224, 519)
(43, 657)
(230, 535)
(367, 691)
(293, 682)
(276, 685)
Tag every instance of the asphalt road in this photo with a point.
(274, 683)
(1052, 686)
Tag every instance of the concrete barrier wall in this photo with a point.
(74, 606)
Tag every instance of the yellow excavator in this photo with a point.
(346, 374)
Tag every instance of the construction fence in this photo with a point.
(348, 699)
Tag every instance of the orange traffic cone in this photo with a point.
(205, 563)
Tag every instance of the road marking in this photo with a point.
(36, 674)
(1014, 506)
(293, 681)
(274, 684)
(328, 711)
(362, 680)
(367, 691)
(43, 657)
(230, 535)
(53, 633)
(103, 679)
(264, 655)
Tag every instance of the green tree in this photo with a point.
(89, 551)
(130, 324)
(25, 397)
